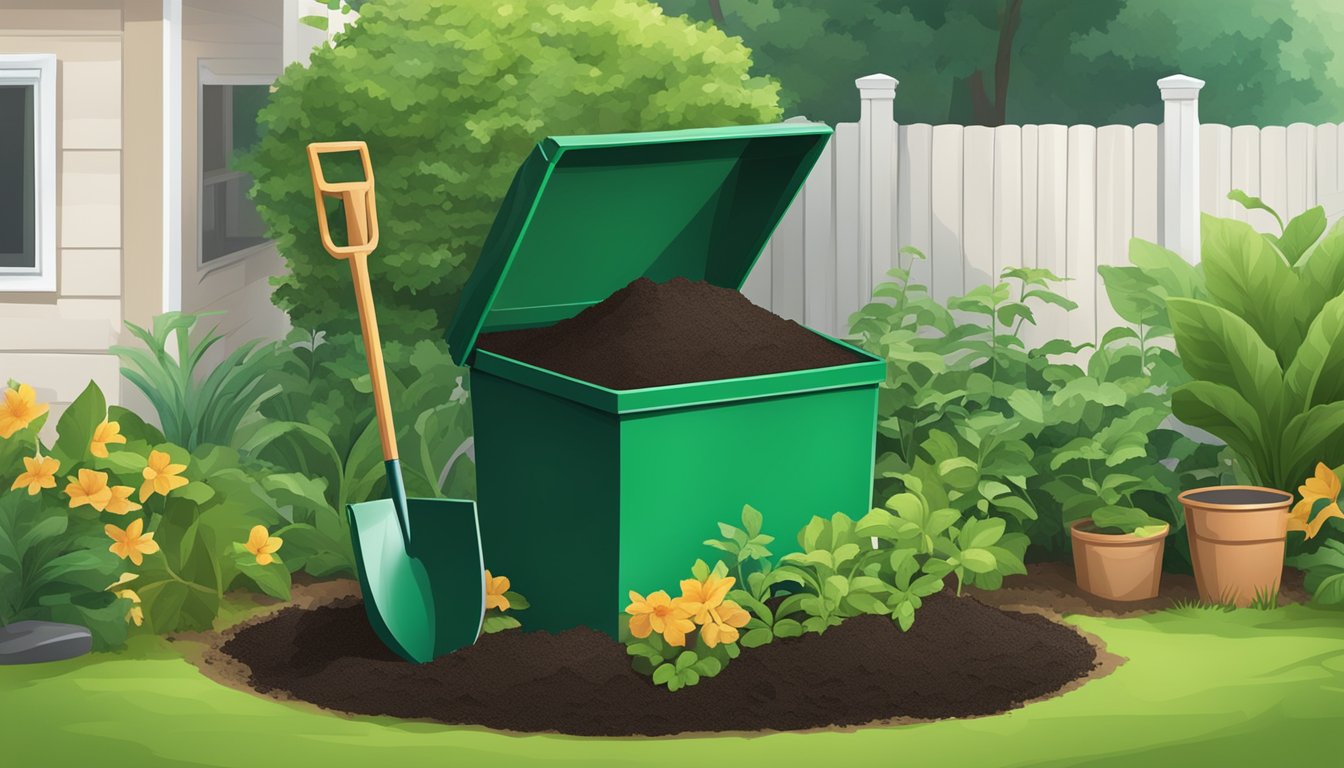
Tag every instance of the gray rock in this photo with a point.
(32, 642)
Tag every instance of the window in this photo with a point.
(229, 225)
(27, 173)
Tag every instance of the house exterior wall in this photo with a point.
(242, 39)
(57, 342)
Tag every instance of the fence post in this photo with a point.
(877, 181)
(1180, 165)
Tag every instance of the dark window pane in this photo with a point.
(229, 221)
(18, 189)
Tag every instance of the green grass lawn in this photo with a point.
(1200, 687)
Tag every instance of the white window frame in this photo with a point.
(39, 71)
(207, 75)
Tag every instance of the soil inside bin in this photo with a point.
(961, 658)
(651, 334)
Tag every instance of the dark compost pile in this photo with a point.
(651, 334)
(961, 658)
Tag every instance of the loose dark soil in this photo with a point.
(651, 334)
(961, 658)
(1240, 496)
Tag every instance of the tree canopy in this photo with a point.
(990, 62)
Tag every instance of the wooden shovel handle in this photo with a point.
(361, 218)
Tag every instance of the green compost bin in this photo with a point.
(586, 493)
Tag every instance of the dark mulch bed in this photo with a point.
(961, 658)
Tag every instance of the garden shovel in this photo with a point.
(419, 560)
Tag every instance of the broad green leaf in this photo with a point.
(1217, 346)
(1301, 233)
(1330, 591)
(751, 520)
(978, 560)
(1316, 375)
(75, 428)
(982, 533)
(1248, 279)
(1221, 411)
(1253, 203)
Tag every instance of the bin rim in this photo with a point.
(868, 371)
(586, 215)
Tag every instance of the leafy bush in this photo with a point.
(993, 429)
(194, 409)
(179, 526)
(449, 97)
(315, 439)
(1265, 347)
(883, 564)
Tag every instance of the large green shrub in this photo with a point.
(450, 98)
(1032, 436)
(1265, 347)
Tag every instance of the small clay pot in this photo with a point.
(1117, 566)
(1237, 537)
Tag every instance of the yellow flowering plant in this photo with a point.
(1320, 554)
(500, 602)
(680, 640)
(53, 562)
(133, 503)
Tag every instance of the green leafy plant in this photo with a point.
(194, 408)
(445, 122)
(168, 520)
(1264, 347)
(499, 601)
(317, 440)
(1126, 520)
(993, 429)
(54, 566)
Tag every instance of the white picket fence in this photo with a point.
(1067, 198)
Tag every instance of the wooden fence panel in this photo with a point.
(976, 200)
(947, 259)
(914, 190)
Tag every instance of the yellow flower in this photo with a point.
(91, 488)
(1323, 485)
(39, 472)
(659, 613)
(131, 542)
(136, 613)
(161, 475)
(107, 432)
(19, 409)
(701, 597)
(723, 623)
(495, 589)
(263, 545)
(121, 503)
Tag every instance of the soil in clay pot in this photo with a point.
(651, 334)
(961, 658)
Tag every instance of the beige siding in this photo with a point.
(244, 41)
(57, 342)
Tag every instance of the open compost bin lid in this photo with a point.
(586, 215)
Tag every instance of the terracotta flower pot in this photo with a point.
(1237, 536)
(1117, 566)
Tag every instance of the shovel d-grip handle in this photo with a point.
(361, 217)
(361, 212)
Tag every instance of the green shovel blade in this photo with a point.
(427, 599)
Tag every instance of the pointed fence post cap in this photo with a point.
(1180, 87)
(877, 86)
